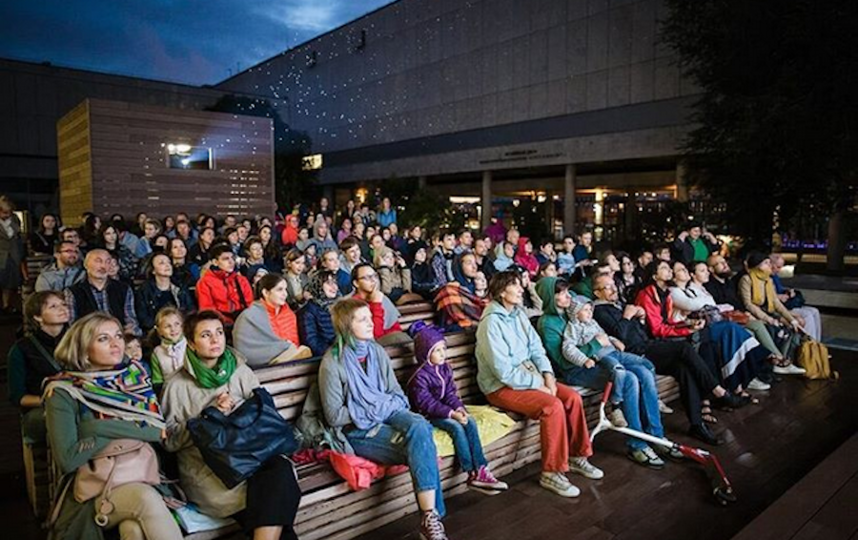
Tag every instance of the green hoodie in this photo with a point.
(551, 327)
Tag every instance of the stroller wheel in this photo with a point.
(724, 496)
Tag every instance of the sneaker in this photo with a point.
(586, 469)
(671, 453)
(431, 527)
(484, 481)
(617, 418)
(790, 369)
(663, 408)
(559, 484)
(757, 384)
(647, 457)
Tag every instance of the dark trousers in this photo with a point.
(679, 360)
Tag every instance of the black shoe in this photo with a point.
(730, 401)
(702, 433)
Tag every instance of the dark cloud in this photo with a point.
(189, 41)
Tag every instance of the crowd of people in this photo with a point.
(135, 328)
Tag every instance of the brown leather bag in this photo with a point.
(123, 461)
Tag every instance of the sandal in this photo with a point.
(750, 398)
(707, 415)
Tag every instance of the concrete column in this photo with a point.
(569, 199)
(486, 200)
(681, 181)
(549, 212)
(630, 216)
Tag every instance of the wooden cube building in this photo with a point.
(118, 157)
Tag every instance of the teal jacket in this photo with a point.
(505, 341)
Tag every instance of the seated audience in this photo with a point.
(267, 331)
(385, 316)
(515, 374)
(316, 330)
(222, 288)
(296, 279)
(31, 359)
(96, 400)
(214, 374)
(159, 291)
(695, 244)
(525, 258)
(330, 260)
(41, 241)
(108, 238)
(793, 300)
(366, 407)
(457, 302)
(395, 276)
(185, 274)
(168, 356)
(441, 261)
(98, 292)
(64, 271)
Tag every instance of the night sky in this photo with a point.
(188, 41)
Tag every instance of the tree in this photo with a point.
(777, 116)
(292, 184)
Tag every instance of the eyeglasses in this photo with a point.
(368, 277)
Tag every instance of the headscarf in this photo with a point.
(125, 393)
(318, 292)
(459, 274)
(526, 260)
(208, 377)
(502, 262)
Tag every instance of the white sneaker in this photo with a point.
(791, 369)
(757, 384)
(586, 469)
(557, 482)
(663, 408)
(617, 418)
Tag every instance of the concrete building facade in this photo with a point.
(489, 97)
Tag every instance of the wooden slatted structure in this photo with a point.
(113, 158)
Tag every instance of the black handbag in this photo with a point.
(235, 446)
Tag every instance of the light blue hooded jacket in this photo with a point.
(505, 341)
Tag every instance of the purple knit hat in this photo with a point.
(426, 337)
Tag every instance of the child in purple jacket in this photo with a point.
(432, 393)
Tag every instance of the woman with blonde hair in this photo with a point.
(91, 404)
(369, 413)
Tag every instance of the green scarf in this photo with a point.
(206, 376)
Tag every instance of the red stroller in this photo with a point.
(721, 488)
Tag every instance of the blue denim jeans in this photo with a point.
(466, 441)
(404, 439)
(634, 378)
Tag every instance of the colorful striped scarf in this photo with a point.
(125, 394)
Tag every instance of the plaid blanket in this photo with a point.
(458, 305)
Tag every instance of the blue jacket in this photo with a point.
(315, 328)
(505, 342)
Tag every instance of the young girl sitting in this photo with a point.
(432, 393)
(169, 356)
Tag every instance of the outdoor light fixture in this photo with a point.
(185, 156)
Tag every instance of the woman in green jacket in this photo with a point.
(95, 401)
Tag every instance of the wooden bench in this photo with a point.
(419, 311)
(331, 510)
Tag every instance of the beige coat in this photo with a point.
(391, 278)
(758, 311)
(185, 399)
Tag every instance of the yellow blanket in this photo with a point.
(491, 423)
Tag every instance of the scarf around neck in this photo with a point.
(208, 377)
(125, 393)
(762, 289)
(368, 402)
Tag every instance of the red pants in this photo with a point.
(562, 424)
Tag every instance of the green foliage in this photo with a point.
(425, 207)
(292, 184)
(778, 113)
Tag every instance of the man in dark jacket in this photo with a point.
(675, 358)
(695, 244)
(100, 293)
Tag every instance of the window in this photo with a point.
(312, 163)
(185, 156)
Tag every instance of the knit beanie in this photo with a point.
(426, 337)
(755, 259)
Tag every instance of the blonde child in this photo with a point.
(169, 356)
(432, 393)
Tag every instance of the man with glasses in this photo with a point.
(675, 358)
(385, 316)
(64, 272)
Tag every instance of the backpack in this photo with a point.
(813, 356)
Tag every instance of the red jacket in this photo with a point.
(659, 327)
(377, 310)
(228, 294)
